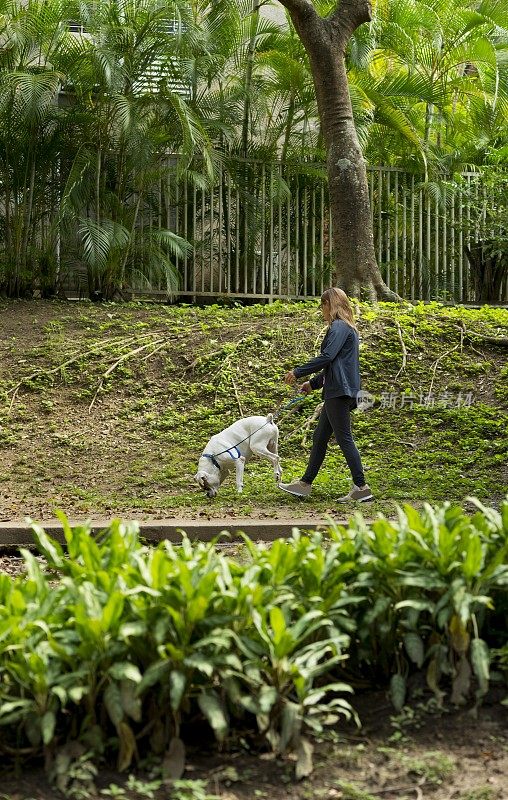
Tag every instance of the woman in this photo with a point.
(340, 380)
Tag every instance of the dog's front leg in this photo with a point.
(240, 467)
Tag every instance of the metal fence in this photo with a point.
(263, 231)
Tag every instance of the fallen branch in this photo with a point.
(404, 350)
(436, 362)
(237, 396)
(116, 364)
(308, 422)
(500, 341)
(76, 357)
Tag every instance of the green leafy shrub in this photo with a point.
(434, 582)
(117, 644)
(116, 648)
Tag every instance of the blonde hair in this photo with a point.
(340, 306)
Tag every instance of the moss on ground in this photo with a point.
(161, 379)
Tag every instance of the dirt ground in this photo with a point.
(128, 445)
(448, 755)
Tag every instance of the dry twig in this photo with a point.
(116, 364)
(436, 362)
(404, 350)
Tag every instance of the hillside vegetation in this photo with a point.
(105, 409)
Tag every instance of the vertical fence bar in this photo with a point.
(452, 259)
(396, 232)
(288, 238)
(246, 245)
(413, 239)
(186, 235)
(203, 243)
(219, 247)
(237, 238)
(420, 244)
(262, 209)
(305, 223)
(228, 225)
(428, 244)
(468, 229)
(371, 192)
(270, 239)
(211, 284)
(388, 228)
(279, 232)
(379, 217)
(322, 238)
(330, 244)
(461, 248)
(444, 256)
(297, 237)
(313, 238)
(195, 240)
(436, 249)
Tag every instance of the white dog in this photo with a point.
(234, 446)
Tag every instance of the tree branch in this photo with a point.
(355, 11)
(299, 7)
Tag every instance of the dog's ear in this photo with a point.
(200, 480)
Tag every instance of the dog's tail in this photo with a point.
(269, 417)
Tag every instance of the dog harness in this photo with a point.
(234, 456)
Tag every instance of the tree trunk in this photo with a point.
(325, 41)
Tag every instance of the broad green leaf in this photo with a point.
(48, 723)
(113, 611)
(213, 710)
(414, 647)
(177, 684)
(125, 671)
(278, 623)
(290, 725)
(267, 697)
(480, 659)
(131, 702)
(398, 691)
(474, 556)
(47, 546)
(113, 703)
(153, 675)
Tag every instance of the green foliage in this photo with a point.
(132, 639)
(210, 81)
(430, 579)
(115, 645)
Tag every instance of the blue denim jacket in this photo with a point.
(339, 363)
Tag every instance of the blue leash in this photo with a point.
(293, 402)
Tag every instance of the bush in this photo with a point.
(116, 645)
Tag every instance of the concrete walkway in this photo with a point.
(18, 534)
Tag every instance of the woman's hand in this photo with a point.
(290, 377)
(306, 387)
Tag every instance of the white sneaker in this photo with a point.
(357, 494)
(298, 488)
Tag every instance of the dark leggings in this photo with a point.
(335, 418)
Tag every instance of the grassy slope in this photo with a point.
(136, 451)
